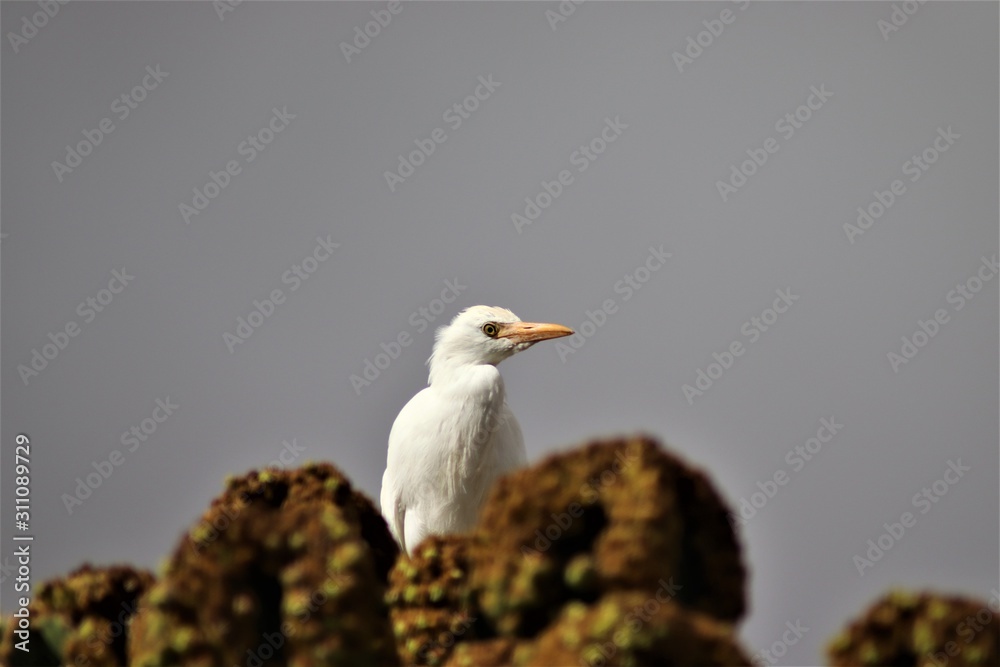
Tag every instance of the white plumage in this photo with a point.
(453, 439)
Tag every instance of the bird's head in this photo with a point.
(487, 335)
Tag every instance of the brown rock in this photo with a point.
(82, 619)
(429, 601)
(633, 629)
(921, 629)
(287, 566)
(611, 516)
(485, 653)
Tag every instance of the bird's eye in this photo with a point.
(490, 329)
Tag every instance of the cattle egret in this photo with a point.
(455, 437)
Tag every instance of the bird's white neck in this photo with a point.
(473, 380)
(455, 364)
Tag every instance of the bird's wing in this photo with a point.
(415, 530)
(412, 440)
(392, 508)
(514, 455)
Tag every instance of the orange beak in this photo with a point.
(532, 332)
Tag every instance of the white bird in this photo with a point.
(453, 439)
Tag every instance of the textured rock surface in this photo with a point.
(615, 553)
(428, 600)
(485, 653)
(82, 619)
(285, 568)
(626, 628)
(633, 629)
(564, 557)
(611, 516)
(920, 629)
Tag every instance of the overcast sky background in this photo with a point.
(323, 175)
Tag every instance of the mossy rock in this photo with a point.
(430, 606)
(82, 619)
(626, 629)
(611, 516)
(496, 652)
(922, 629)
(287, 567)
(632, 628)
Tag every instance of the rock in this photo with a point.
(496, 652)
(82, 619)
(632, 628)
(287, 567)
(611, 516)
(921, 629)
(623, 628)
(429, 603)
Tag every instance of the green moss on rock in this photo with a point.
(287, 567)
(82, 619)
(624, 629)
(632, 628)
(485, 653)
(429, 602)
(610, 516)
(922, 629)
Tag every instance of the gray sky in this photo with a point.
(654, 151)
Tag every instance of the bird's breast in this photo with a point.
(449, 444)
